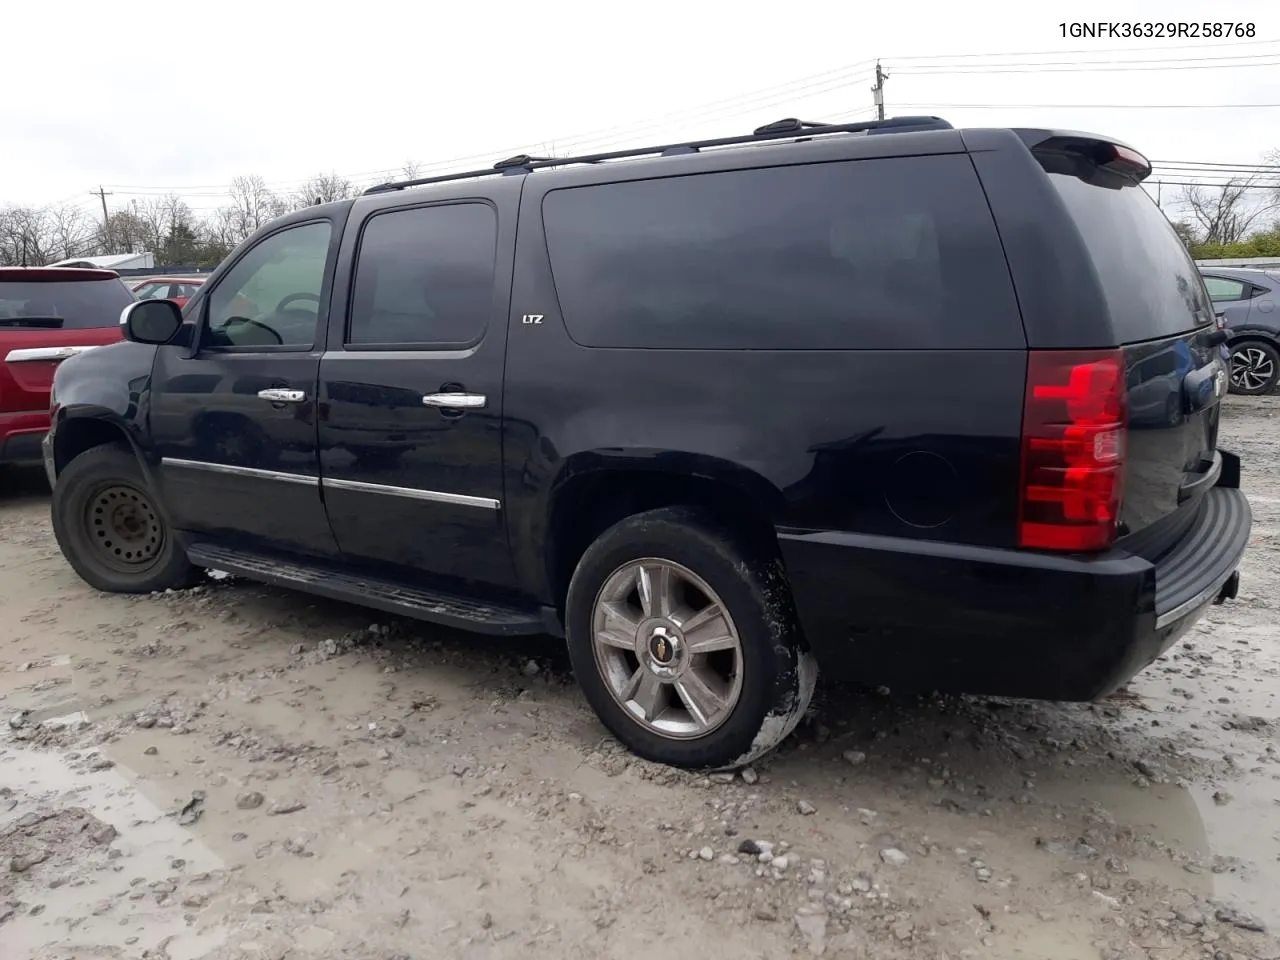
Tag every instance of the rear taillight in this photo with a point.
(1074, 432)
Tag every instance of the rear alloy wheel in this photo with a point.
(667, 648)
(1255, 368)
(685, 642)
(110, 529)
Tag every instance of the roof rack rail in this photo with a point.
(779, 130)
(789, 125)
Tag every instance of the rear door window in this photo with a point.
(424, 276)
(895, 253)
(1152, 286)
(1222, 290)
(63, 304)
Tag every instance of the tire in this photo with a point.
(1255, 368)
(761, 685)
(111, 530)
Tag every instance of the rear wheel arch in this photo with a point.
(587, 504)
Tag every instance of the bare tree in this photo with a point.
(26, 237)
(1226, 213)
(252, 205)
(323, 188)
(74, 233)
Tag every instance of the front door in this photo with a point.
(411, 389)
(234, 419)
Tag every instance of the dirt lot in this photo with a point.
(238, 772)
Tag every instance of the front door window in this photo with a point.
(271, 297)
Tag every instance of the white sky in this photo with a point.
(149, 96)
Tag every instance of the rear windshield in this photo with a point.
(79, 304)
(1152, 285)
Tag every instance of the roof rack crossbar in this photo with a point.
(779, 130)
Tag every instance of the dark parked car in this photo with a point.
(653, 402)
(1249, 301)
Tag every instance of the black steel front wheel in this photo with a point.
(110, 528)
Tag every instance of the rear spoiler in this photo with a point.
(1100, 160)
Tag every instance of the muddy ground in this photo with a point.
(240, 772)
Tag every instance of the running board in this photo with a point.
(446, 609)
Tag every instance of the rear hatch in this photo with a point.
(47, 315)
(1162, 319)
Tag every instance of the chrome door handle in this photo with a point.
(456, 401)
(281, 395)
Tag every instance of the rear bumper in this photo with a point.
(935, 616)
(21, 435)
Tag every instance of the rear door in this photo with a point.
(1159, 312)
(411, 387)
(47, 315)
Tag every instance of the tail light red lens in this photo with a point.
(1074, 433)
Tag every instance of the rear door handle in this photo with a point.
(282, 395)
(456, 401)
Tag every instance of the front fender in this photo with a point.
(104, 388)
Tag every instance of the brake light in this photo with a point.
(1127, 161)
(1074, 433)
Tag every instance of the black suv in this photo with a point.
(715, 412)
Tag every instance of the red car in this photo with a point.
(177, 289)
(46, 315)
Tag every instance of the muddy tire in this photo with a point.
(684, 639)
(110, 528)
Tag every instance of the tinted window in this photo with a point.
(1151, 284)
(151, 291)
(78, 304)
(1221, 289)
(424, 276)
(271, 297)
(899, 253)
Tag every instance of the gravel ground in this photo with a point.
(239, 772)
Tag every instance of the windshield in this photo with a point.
(78, 304)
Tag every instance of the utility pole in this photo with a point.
(1159, 192)
(878, 91)
(106, 217)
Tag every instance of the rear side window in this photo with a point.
(870, 254)
(424, 276)
(62, 304)
(1222, 290)
(1152, 286)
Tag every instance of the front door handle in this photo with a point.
(282, 395)
(456, 401)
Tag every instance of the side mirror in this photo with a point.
(151, 321)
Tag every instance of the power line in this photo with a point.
(1235, 58)
(813, 85)
(1201, 183)
(1089, 106)
(1059, 53)
(1213, 165)
(1081, 67)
